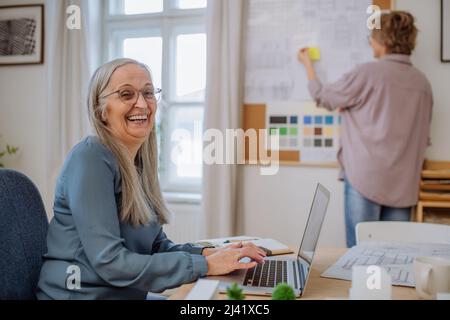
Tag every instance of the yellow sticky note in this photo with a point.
(314, 53)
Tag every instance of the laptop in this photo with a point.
(262, 279)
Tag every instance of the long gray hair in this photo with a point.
(142, 201)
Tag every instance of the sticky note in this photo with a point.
(308, 131)
(314, 53)
(318, 143)
(328, 131)
(318, 120)
(329, 120)
(308, 143)
(294, 120)
(318, 131)
(293, 131)
(307, 120)
(329, 143)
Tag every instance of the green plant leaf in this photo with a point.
(234, 292)
(11, 150)
(283, 291)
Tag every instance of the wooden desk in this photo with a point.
(318, 288)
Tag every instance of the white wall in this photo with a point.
(24, 112)
(23, 115)
(427, 58)
(278, 206)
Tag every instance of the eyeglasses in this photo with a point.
(130, 95)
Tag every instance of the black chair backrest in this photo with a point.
(23, 233)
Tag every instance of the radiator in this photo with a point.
(185, 224)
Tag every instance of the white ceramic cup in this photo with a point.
(432, 276)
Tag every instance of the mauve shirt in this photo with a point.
(386, 111)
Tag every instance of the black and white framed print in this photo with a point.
(21, 35)
(445, 32)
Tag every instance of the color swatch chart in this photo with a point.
(320, 131)
(302, 126)
(287, 128)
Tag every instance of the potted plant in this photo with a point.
(283, 291)
(234, 292)
(8, 151)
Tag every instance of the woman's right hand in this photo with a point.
(228, 260)
(303, 57)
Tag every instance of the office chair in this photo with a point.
(23, 232)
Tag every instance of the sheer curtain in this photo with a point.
(72, 55)
(223, 105)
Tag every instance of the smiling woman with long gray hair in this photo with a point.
(106, 240)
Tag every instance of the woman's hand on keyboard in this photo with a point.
(248, 245)
(237, 245)
(228, 259)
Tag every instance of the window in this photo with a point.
(139, 6)
(169, 36)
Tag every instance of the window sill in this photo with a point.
(182, 198)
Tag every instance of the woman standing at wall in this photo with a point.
(386, 110)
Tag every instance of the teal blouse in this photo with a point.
(115, 260)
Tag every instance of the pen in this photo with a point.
(232, 241)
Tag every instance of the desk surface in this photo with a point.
(318, 288)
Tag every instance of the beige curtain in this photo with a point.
(72, 54)
(223, 105)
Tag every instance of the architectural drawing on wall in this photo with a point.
(277, 29)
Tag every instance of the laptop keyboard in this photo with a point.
(268, 274)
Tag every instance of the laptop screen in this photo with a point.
(314, 225)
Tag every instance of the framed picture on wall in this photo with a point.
(21, 35)
(445, 32)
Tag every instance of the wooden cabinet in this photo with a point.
(434, 190)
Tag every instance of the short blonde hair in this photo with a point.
(398, 32)
(141, 201)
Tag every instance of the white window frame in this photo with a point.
(167, 24)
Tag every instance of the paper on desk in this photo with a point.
(273, 247)
(396, 257)
(225, 241)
